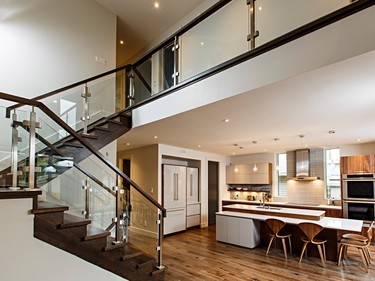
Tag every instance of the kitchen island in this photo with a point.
(230, 223)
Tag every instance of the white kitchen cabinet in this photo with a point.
(238, 231)
(221, 228)
(175, 221)
(174, 186)
(260, 173)
(193, 215)
(192, 185)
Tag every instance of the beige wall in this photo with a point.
(143, 167)
(357, 149)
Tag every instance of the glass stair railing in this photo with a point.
(72, 172)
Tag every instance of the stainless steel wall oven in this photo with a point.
(359, 196)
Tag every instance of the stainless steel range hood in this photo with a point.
(303, 165)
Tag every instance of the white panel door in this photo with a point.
(174, 186)
(192, 185)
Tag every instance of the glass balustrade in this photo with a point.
(142, 228)
(223, 36)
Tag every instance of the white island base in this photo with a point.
(243, 232)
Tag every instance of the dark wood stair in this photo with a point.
(76, 236)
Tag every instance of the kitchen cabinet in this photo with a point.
(357, 164)
(238, 231)
(259, 173)
(193, 215)
(174, 198)
(192, 185)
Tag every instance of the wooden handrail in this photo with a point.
(85, 143)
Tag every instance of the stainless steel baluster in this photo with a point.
(86, 114)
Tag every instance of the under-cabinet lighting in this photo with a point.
(236, 169)
(255, 168)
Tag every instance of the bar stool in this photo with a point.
(276, 226)
(358, 241)
(311, 230)
(359, 237)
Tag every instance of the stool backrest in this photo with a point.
(369, 232)
(275, 225)
(310, 229)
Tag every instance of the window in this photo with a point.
(332, 172)
(281, 175)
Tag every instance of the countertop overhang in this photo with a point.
(326, 222)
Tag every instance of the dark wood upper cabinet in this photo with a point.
(357, 164)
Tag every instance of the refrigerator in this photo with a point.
(174, 198)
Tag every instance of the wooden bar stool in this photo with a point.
(358, 241)
(311, 230)
(276, 226)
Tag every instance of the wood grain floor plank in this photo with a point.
(196, 255)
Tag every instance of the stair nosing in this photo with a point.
(88, 237)
(83, 222)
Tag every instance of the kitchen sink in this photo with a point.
(268, 208)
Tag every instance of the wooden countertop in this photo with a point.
(277, 212)
(286, 204)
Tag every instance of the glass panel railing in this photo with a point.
(274, 18)
(143, 228)
(217, 39)
(226, 34)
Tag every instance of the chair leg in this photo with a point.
(269, 245)
(303, 250)
(284, 247)
(339, 260)
(361, 251)
(368, 256)
(290, 244)
(321, 255)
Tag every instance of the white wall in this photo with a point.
(294, 58)
(357, 149)
(48, 44)
(23, 257)
(203, 157)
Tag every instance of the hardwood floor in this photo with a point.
(195, 255)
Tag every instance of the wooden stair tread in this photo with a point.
(95, 233)
(89, 136)
(145, 261)
(73, 221)
(112, 246)
(102, 129)
(47, 207)
(130, 254)
(71, 144)
(115, 122)
(157, 271)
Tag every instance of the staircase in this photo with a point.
(76, 236)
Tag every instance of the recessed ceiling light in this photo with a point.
(331, 131)
(255, 142)
(155, 137)
(260, 8)
(199, 145)
(127, 144)
(234, 153)
(301, 136)
(276, 139)
(156, 5)
(121, 42)
(358, 139)
(265, 150)
(226, 120)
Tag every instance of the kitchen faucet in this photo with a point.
(264, 194)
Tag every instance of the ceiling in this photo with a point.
(339, 97)
(140, 23)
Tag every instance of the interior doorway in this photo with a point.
(213, 191)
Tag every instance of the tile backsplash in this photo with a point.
(306, 192)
